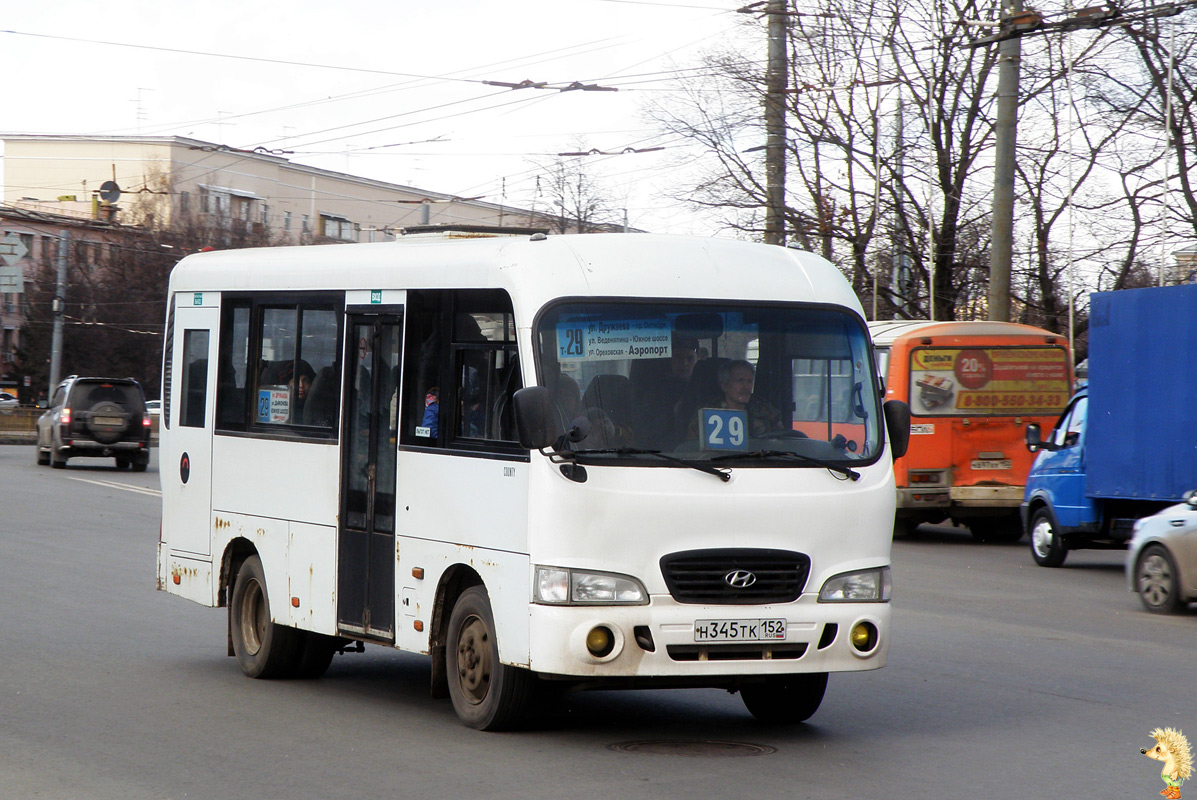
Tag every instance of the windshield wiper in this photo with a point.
(633, 451)
(818, 462)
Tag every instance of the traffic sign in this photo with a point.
(12, 280)
(12, 250)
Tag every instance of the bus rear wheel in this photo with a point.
(486, 694)
(785, 699)
(263, 649)
(315, 654)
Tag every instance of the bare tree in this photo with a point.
(576, 199)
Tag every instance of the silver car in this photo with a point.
(8, 402)
(1161, 564)
(98, 418)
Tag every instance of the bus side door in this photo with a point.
(366, 546)
(185, 458)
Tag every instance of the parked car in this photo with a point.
(154, 407)
(95, 417)
(1161, 564)
(8, 402)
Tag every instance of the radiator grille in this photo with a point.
(735, 576)
(735, 652)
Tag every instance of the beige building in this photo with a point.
(102, 190)
(165, 181)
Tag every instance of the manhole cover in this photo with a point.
(693, 748)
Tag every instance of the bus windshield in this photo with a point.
(762, 382)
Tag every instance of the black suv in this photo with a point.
(95, 417)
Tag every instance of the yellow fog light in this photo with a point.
(600, 641)
(864, 636)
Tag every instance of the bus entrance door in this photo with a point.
(185, 460)
(366, 549)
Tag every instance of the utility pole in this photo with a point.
(1001, 246)
(59, 309)
(776, 82)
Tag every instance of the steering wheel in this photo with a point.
(783, 433)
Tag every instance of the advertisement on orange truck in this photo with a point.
(953, 381)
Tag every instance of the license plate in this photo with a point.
(986, 464)
(739, 630)
(108, 420)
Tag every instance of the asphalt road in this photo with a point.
(1005, 680)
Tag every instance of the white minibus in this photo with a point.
(547, 462)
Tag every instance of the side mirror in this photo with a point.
(1034, 440)
(536, 421)
(1191, 499)
(897, 422)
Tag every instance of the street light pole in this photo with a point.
(1001, 244)
(776, 82)
(59, 309)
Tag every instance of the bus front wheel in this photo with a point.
(263, 649)
(486, 694)
(785, 698)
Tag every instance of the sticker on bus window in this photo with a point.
(274, 404)
(613, 339)
(723, 428)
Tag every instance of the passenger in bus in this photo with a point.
(736, 381)
(320, 407)
(298, 376)
(432, 411)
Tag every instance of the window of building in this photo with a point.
(185, 202)
(337, 228)
(287, 221)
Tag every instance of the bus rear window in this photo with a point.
(984, 381)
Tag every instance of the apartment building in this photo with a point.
(164, 181)
(111, 195)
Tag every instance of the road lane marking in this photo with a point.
(128, 487)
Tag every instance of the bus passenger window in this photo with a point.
(279, 365)
(234, 366)
(193, 394)
(461, 346)
(486, 381)
(297, 367)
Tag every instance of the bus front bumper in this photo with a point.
(658, 641)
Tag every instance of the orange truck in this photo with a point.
(972, 388)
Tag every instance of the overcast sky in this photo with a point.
(387, 90)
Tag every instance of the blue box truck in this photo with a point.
(1126, 446)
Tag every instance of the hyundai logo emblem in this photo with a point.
(740, 579)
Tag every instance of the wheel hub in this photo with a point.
(1155, 580)
(1041, 538)
(474, 660)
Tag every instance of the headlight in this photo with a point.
(865, 586)
(557, 586)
